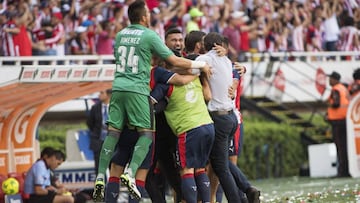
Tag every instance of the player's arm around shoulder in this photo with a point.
(178, 79)
(186, 63)
(206, 88)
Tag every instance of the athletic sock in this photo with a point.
(188, 188)
(203, 186)
(140, 151)
(106, 153)
(112, 190)
(141, 187)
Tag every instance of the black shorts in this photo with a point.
(42, 198)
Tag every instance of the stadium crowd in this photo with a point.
(73, 27)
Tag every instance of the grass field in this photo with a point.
(303, 190)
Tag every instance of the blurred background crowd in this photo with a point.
(73, 27)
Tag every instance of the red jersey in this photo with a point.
(57, 34)
(9, 45)
(347, 35)
(22, 42)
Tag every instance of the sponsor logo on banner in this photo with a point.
(4, 163)
(71, 74)
(28, 74)
(353, 136)
(77, 177)
(61, 74)
(44, 74)
(320, 80)
(23, 161)
(107, 73)
(92, 73)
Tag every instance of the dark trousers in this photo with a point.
(240, 179)
(225, 127)
(339, 137)
(96, 160)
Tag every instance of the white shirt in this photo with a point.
(332, 29)
(220, 81)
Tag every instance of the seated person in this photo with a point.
(38, 180)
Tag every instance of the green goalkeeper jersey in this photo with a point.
(134, 46)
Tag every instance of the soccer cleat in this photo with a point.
(129, 182)
(98, 195)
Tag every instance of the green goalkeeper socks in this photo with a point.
(107, 152)
(140, 151)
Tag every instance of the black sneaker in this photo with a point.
(253, 195)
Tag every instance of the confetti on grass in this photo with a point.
(309, 190)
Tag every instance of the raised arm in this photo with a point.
(186, 63)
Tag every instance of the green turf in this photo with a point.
(303, 190)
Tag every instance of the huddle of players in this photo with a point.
(196, 121)
(180, 108)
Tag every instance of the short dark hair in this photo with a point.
(172, 31)
(356, 74)
(47, 151)
(60, 155)
(226, 41)
(136, 11)
(108, 91)
(192, 38)
(211, 39)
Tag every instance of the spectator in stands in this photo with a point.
(331, 25)
(96, 122)
(57, 40)
(91, 28)
(157, 24)
(193, 23)
(80, 44)
(105, 38)
(17, 42)
(219, 18)
(38, 180)
(314, 35)
(354, 87)
(37, 46)
(338, 102)
(300, 22)
(3, 21)
(245, 34)
(232, 32)
(267, 16)
(349, 36)
(119, 16)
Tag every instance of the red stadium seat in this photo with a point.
(2, 195)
